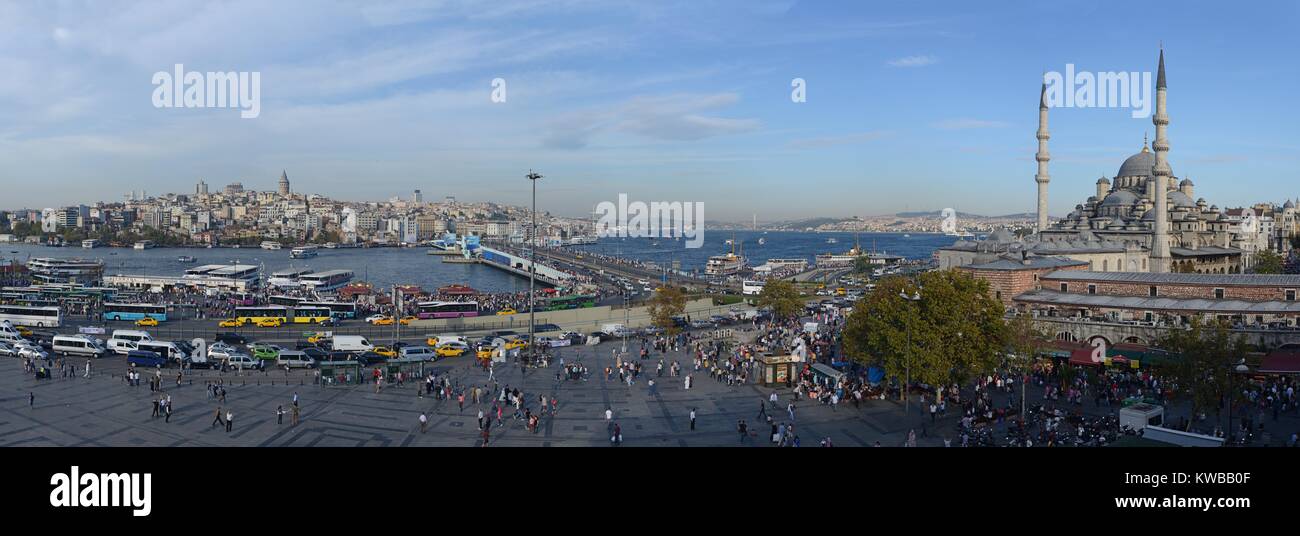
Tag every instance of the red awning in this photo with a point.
(1281, 362)
(1082, 356)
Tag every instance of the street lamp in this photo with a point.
(907, 398)
(1239, 368)
(532, 271)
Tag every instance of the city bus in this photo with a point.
(287, 301)
(257, 314)
(41, 317)
(751, 288)
(576, 301)
(242, 299)
(303, 314)
(340, 310)
(442, 309)
(134, 311)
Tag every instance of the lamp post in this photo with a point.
(907, 396)
(1238, 368)
(532, 271)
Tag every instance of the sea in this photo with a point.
(384, 267)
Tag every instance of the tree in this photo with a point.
(953, 332)
(1025, 340)
(1203, 357)
(1267, 262)
(668, 302)
(782, 298)
(862, 264)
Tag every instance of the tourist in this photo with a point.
(230, 421)
(692, 419)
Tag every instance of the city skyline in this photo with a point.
(672, 101)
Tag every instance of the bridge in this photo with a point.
(1073, 329)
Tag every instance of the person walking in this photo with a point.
(480, 419)
(168, 415)
(294, 421)
(692, 419)
(217, 421)
(31, 400)
(609, 414)
(279, 414)
(762, 410)
(424, 422)
(230, 421)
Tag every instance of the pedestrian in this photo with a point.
(155, 408)
(279, 414)
(609, 414)
(480, 419)
(168, 417)
(31, 400)
(424, 422)
(217, 421)
(230, 421)
(692, 419)
(486, 432)
(294, 422)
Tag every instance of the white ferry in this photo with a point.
(90, 244)
(326, 281)
(288, 278)
(724, 265)
(834, 259)
(305, 252)
(271, 245)
(144, 244)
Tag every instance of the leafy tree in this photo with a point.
(1203, 358)
(862, 264)
(1268, 262)
(953, 332)
(782, 297)
(667, 303)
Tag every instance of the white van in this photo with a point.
(439, 340)
(10, 338)
(417, 352)
(294, 359)
(352, 343)
(171, 351)
(77, 345)
(125, 340)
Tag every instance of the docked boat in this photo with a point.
(839, 259)
(724, 265)
(287, 278)
(960, 234)
(305, 252)
(270, 245)
(90, 244)
(144, 244)
(186, 259)
(326, 281)
(331, 245)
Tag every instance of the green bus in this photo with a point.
(576, 301)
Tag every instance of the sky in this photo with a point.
(909, 105)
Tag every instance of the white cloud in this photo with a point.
(966, 123)
(913, 61)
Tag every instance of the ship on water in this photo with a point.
(726, 264)
(271, 245)
(304, 252)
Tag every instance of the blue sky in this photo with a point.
(910, 105)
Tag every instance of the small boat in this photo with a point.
(762, 240)
(305, 252)
(185, 258)
(832, 240)
(270, 245)
(905, 235)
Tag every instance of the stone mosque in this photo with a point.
(1141, 220)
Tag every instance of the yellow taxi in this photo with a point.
(515, 343)
(506, 311)
(317, 338)
(269, 323)
(484, 351)
(147, 321)
(23, 331)
(406, 320)
(450, 350)
(385, 351)
(231, 323)
(385, 321)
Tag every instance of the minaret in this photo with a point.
(1160, 174)
(1042, 157)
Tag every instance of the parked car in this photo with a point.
(231, 323)
(144, 358)
(243, 361)
(266, 351)
(703, 324)
(369, 358)
(294, 359)
(7, 351)
(232, 338)
(319, 354)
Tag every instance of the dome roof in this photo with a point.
(1138, 165)
(1103, 180)
(1120, 197)
(1186, 182)
(1288, 204)
(1179, 199)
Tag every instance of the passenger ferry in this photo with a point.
(288, 278)
(270, 245)
(834, 259)
(799, 264)
(327, 280)
(832, 240)
(960, 234)
(186, 259)
(90, 244)
(305, 252)
(58, 270)
(724, 265)
(144, 244)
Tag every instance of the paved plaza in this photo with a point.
(104, 411)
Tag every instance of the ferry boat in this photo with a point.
(832, 240)
(287, 278)
(269, 245)
(960, 234)
(833, 259)
(90, 244)
(186, 259)
(46, 270)
(327, 280)
(582, 240)
(724, 265)
(144, 244)
(305, 252)
(331, 245)
(762, 240)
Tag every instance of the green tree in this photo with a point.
(862, 264)
(953, 332)
(1203, 357)
(782, 297)
(1267, 262)
(667, 303)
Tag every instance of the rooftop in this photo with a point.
(1160, 304)
(1254, 280)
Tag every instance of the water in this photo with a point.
(778, 245)
(382, 267)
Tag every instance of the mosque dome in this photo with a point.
(1179, 199)
(1120, 198)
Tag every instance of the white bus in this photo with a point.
(77, 345)
(751, 288)
(41, 317)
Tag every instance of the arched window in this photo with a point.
(1105, 265)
